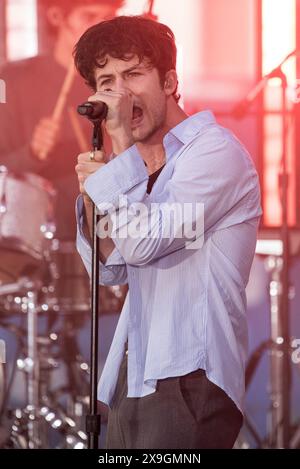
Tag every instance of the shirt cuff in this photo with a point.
(83, 246)
(117, 177)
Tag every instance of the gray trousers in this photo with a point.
(187, 412)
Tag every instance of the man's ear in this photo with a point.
(55, 16)
(171, 81)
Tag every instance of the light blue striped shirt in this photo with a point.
(186, 308)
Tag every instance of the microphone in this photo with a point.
(93, 111)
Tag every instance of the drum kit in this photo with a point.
(281, 430)
(43, 279)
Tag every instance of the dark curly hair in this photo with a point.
(122, 38)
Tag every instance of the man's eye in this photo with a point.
(134, 74)
(108, 81)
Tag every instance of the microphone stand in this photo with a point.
(149, 13)
(280, 340)
(240, 109)
(93, 420)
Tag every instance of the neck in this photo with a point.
(153, 155)
(152, 151)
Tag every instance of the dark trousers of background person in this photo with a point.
(187, 412)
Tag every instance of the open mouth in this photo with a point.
(137, 114)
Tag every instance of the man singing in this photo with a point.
(174, 376)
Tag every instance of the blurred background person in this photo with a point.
(40, 131)
(41, 134)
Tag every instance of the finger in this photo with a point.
(49, 121)
(47, 133)
(86, 157)
(43, 142)
(81, 188)
(44, 137)
(81, 178)
(42, 149)
(97, 99)
(92, 167)
(106, 96)
(88, 168)
(83, 169)
(98, 156)
(48, 127)
(99, 95)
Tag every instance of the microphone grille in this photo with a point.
(85, 109)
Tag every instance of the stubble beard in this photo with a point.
(159, 123)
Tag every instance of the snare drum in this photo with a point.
(26, 223)
(69, 291)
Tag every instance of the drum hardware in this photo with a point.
(31, 300)
(43, 277)
(269, 245)
(23, 284)
(33, 372)
(2, 387)
(279, 290)
(44, 354)
(3, 204)
(24, 233)
(55, 419)
(48, 229)
(67, 426)
(37, 280)
(68, 288)
(67, 405)
(43, 411)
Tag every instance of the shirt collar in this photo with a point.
(186, 130)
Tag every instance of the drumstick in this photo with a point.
(61, 100)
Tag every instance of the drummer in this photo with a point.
(40, 132)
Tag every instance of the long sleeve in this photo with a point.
(114, 271)
(212, 183)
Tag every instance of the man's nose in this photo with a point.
(121, 85)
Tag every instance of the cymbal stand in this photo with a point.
(279, 290)
(35, 434)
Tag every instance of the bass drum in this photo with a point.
(26, 224)
(69, 290)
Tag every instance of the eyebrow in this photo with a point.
(110, 75)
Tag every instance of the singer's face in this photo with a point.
(143, 84)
